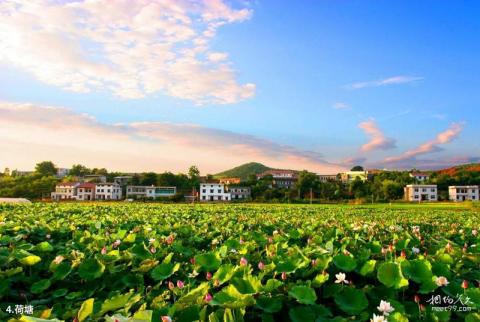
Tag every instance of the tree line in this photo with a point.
(383, 187)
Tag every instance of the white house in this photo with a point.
(108, 191)
(239, 193)
(421, 192)
(420, 176)
(86, 191)
(350, 176)
(65, 191)
(213, 192)
(327, 177)
(152, 192)
(463, 193)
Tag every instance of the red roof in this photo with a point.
(87, 185)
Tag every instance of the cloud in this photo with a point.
(129, 48)
(354, 161)
(341, 106)
(30, 133)
(378, 140)
(386, 81)
(428, 147)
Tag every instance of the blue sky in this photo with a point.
(317, 71)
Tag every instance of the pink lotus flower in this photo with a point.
(216, 282)
(208, 297)
(58, 259)
(284, 276)
(385, 308)
(116, 243)
(166, 318)
(241, 241)
(441, 281)
(474, 232)
(416, 298)
(243, 261)
(180, 284)
(153, 250)
(171, 286)
(261, 265)
(209, 276)
(314, 262)
(104, 250)
(465, 284)
(192, 261)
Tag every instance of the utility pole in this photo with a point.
(311, 195)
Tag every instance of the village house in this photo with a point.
(229, 181)
(213, 192)
(327, 177)
(65, 191)
(149, 192)
(463, 193)
(281, 178)
(239, 193)
(419, 176)
(86, 191)
(108, 191)
(350, 176)
(421, 192)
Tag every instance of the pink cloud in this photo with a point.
(378, 140)
(67, 137)
(430, 146)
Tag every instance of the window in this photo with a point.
(204, 198)
(416, 197)
(211, 190)
(433, 190)
(416, 189)
(204, 190)
(219, 190)
(432, 197)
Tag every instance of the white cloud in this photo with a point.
(30, 133)
(378, 140)
(341, 106)
(386, 81)
(129, 48)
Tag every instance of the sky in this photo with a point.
(162, 85)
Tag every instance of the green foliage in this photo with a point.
(243, 171)
(160, 266)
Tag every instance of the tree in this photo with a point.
(79, 170)
(357, 168)
(148, 179)
(306, 181)
(194, 176)
(46, 168)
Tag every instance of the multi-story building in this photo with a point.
(86, 191)
(213, 192)
(229, 181)
(123, 180)
(421, 192)
(419, 176)
(351, 176)
(281, 178)
(239, 193)
(65, 191)
(327, 177)
(108, 191)
(463, 193)
(149, 192)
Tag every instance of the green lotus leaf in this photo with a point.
(164, 271)
(195, 296)
(224, 273)
(344, 262)
(114, 303)
(351, 300)
(91, 269)
(229, 297)
(368, 268)
(62, 270)
(208, 261)
(320, 279)
(397, 317)
(269, 304)
(40, 286)
(302, 314)
(44, 247)
(247, 285)
(418, 270)
(390, 275)
(303, 294)
(271, 285)
(146, 265)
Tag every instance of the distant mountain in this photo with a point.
(243, 171)
(473, 167)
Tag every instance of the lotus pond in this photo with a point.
(153, 262)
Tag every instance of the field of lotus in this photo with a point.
(152, 262)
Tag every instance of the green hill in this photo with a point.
(243, 171)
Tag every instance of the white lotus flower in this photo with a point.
(385, 307)
(58, 259)
(441, 281)
(151, 240)
(378, 318)
(415, 250)
(341, 278)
